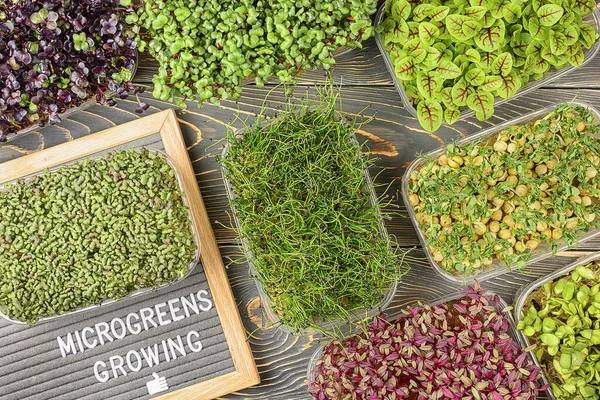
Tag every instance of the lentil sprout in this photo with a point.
(93, 230)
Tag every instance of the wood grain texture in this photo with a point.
(394, 137)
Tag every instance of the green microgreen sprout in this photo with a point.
(313, 229)
(500, 199)
(90, 231)
(562, 318)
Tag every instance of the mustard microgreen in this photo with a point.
(305, 210)
(489, 48)
(500, 199)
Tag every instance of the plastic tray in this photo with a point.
(552, 75)
(512, 331)
(328, 325)
(73, 110)
(524, 293)
(193, 230)
(497, 268)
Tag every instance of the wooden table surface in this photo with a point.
(394, 136)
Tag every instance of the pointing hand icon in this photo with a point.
(157, 385)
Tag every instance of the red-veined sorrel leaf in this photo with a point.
(460, 92)
(411, 92)
(413, 30)
(451, 116)
(405, 68)
(576, 55)
(473, 56)
(486, 61)
(571, 35)
(511, 12)
(496, 9)
(584, 7)
(491, 83)
(549, 56)
(558, 43)
(428, 32)
(400, 10)
(447, 97)
(503, 64)
(587, 35)
(488, 20)
(417, 49)
(482, 103)
(433, 56)
(429, 86)
(489, 39)
(519, 43)
(439, 13)
(481, 3)
(454, 23)
(470, 28)
(550, 14)
(430, 114)
(537, 31)
(422, 11)
(443, 29)
(448, 70)
(475, 76)
(509, 85)
(476, 12)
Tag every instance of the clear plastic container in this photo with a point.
(497, 268)
(326, 325)
(512, 331)
(136, 293)
(73, 110)
(524, 292)
(552, 75)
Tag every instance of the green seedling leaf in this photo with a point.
(480, 3)
(550, 14)
(428, 32)
(576, 55)
(558, 43)
(511, 12)
(488, 20)
(417, 49)
(496, 9)
(534, 48)
(490, 39)
(519, 43)
(400, 10)
(537, 31)
(451, 115)
(475, 76)
(447, 97)
(433, 56)
(476, 12)
(430, 114)
(422, 11)
(454, 24)
(509, 86)
(491, 83)
(587, 36)
(439, 13)
(411, 91)
(549, 56)
(460, 92)
(443, 30)
(470, 28)
(448, 70)
(473, 56)
(503, 64)
(429, 87)
(406, 68)
(486, 61)
(413, 30)
(571, 33)
(584, 7)
(482, 103)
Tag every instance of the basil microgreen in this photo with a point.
(488, 48)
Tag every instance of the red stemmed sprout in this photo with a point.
(457, 350)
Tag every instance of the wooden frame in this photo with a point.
(165, 123)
